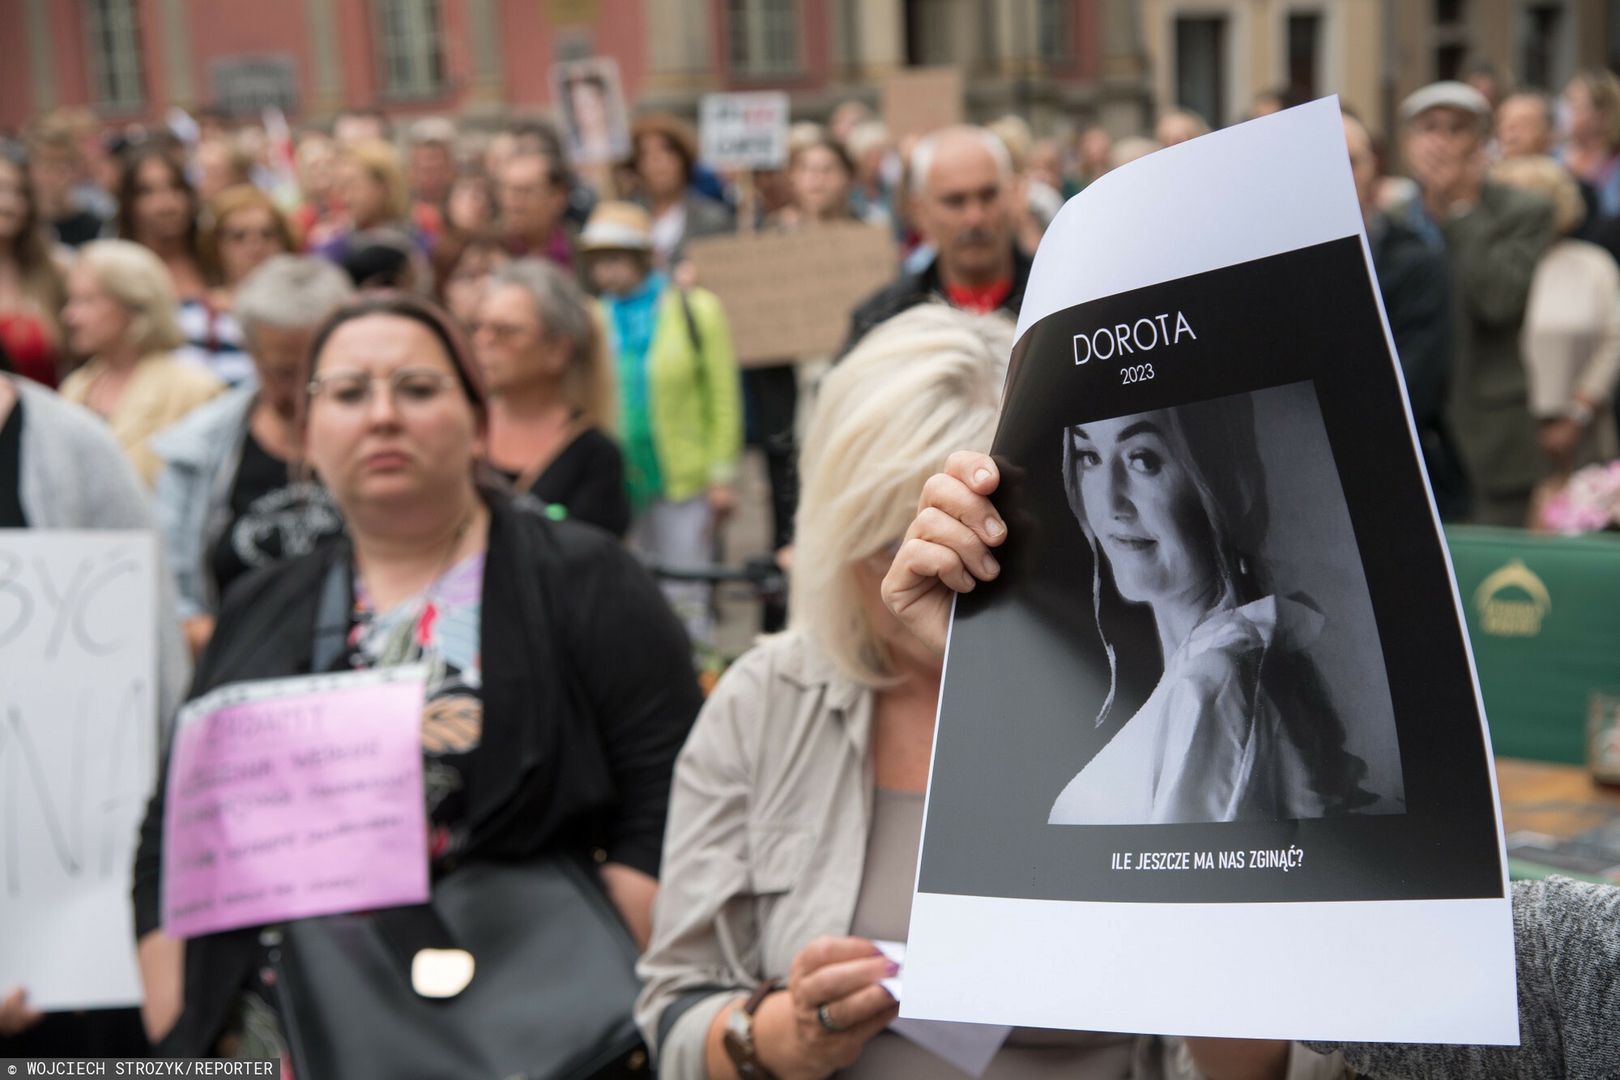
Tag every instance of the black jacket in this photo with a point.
(913, 289)
(588, 696)
(1415, 281)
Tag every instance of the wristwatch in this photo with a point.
(739, 1034)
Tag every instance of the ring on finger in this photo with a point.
(824, 1018)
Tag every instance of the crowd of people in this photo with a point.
(419, 396)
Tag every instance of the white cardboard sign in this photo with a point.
(746, 130)
(78, 754)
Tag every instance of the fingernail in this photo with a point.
(991, 567)
(891, 969)
(981, 477)
(994, 527)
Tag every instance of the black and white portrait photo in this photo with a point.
(1241, 724)
(1224, 621)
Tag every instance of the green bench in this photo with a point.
(1544, 618)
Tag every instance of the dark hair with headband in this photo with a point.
(418, 310)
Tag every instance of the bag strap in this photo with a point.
(692, 330)
(331, 619)
(696, 335)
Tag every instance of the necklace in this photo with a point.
(449, 556)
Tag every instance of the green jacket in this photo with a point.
(1494, 250)
(694, 395)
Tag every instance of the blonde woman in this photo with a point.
(544, 363)
(121, 315)
(1571, 336)
(372, 191)
(796, 813)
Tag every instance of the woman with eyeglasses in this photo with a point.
(241, 229)
(544, 361)
(560, 687)
(244, 228)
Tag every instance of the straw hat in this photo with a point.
(617, 226)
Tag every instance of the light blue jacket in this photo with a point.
(201, 454)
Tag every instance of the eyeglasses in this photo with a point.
(504, 333)
(410, 389)
(236, 236)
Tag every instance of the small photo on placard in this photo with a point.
(590, 103)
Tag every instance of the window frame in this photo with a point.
(117, 59)
(759, 21)
(409, 49)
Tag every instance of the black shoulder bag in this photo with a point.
(553, 981)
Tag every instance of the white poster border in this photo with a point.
(1328, 971)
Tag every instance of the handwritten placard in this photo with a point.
(919, 100)
(78, 754)
(790, 294)
(295, 797)
(745, 131)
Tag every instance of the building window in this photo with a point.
(1450, 38)
(410, 48)
(1542, 37)
(1200, 70)
(930, 40)
(764, 36)
(115, 54)
(1304, 55)
(1052, 31)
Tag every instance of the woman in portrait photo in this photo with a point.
(1240, 726)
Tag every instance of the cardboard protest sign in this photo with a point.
(919, 100)
(789, 294)
(1217, 721)
(590, 103)
(295, 797)
(745, 131)
(78, 752)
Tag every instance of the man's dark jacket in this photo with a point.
(1415, 281)
(913, 289)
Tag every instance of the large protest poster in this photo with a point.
(78, 754)
(919, 100)
(789, 294)
(1211, 757)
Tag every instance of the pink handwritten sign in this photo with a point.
(295, 797)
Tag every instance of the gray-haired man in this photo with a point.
(230, 497)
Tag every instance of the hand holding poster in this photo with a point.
(1214, 734)
(78, 751)
(295, 797)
